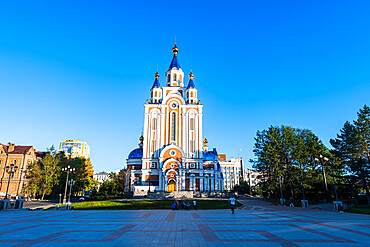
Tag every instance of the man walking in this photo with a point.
(232, 203)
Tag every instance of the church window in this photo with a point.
(153, 146)
(191, 94)
(155, 94)
(180, 78)
(187, 94)
(159, 94)
(173, 126)
(191, 123)
(174, 77)
(191, 146)
(154, 124)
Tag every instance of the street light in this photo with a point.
(10, 170)
(323, 165)
(67, 170)
(149, 180)
(71, 182)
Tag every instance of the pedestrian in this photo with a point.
(291, 203)
(232, 203)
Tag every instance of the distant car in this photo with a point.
(82, 199)
(362, 194)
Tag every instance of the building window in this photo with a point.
(155, 94)
(174, 77)
(168, 78)
(180, 78)
(191, 94)
(153, 146)
(154, 124)
(191, 146)
(191, 123)
(173, 126)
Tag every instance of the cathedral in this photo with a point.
(172, 154)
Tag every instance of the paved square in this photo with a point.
(268, 226)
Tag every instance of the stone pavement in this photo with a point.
(264, 226)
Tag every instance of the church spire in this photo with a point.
(175, 63)
(191, 82)
(156, 81)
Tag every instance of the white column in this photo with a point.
(177, 183)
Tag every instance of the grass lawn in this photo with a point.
(148, 204)
(360, 209)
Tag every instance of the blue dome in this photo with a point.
(210, 155)
(136, 154)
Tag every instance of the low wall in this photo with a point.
(214, 194)
(186, 194)
(174, 194)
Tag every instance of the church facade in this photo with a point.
(172, 154)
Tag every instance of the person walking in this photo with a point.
(232, 203)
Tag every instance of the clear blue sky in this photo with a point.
(83, 69)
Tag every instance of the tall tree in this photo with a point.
(352, 146)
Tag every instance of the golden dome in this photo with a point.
(156, 75)
(175, 50)
(191, 75)
(205, 141)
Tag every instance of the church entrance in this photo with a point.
(171, 186)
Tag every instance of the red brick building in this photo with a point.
(20, 156)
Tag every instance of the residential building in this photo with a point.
(232, 171)
(101, 177)
(172, 154)
(75, 148)
(251, 176)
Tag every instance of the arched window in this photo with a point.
(155, 94)
(173, 126)
(174, 77)
(180, 78)
(191, 146)
(168, 78)
(191, 123)
(160, 94)
(154, 124)
(153, 146)
(191, 94)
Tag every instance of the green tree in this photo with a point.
(285, 156)
(44, 174)
(352, 146)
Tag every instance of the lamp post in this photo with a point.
(10, 170)
(67, 170)
(71, 182)
(149, 180)
(323, 165)
(332, 173)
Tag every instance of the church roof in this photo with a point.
(156, 83)
(191, 84)
(137, 153)
(175, 63)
